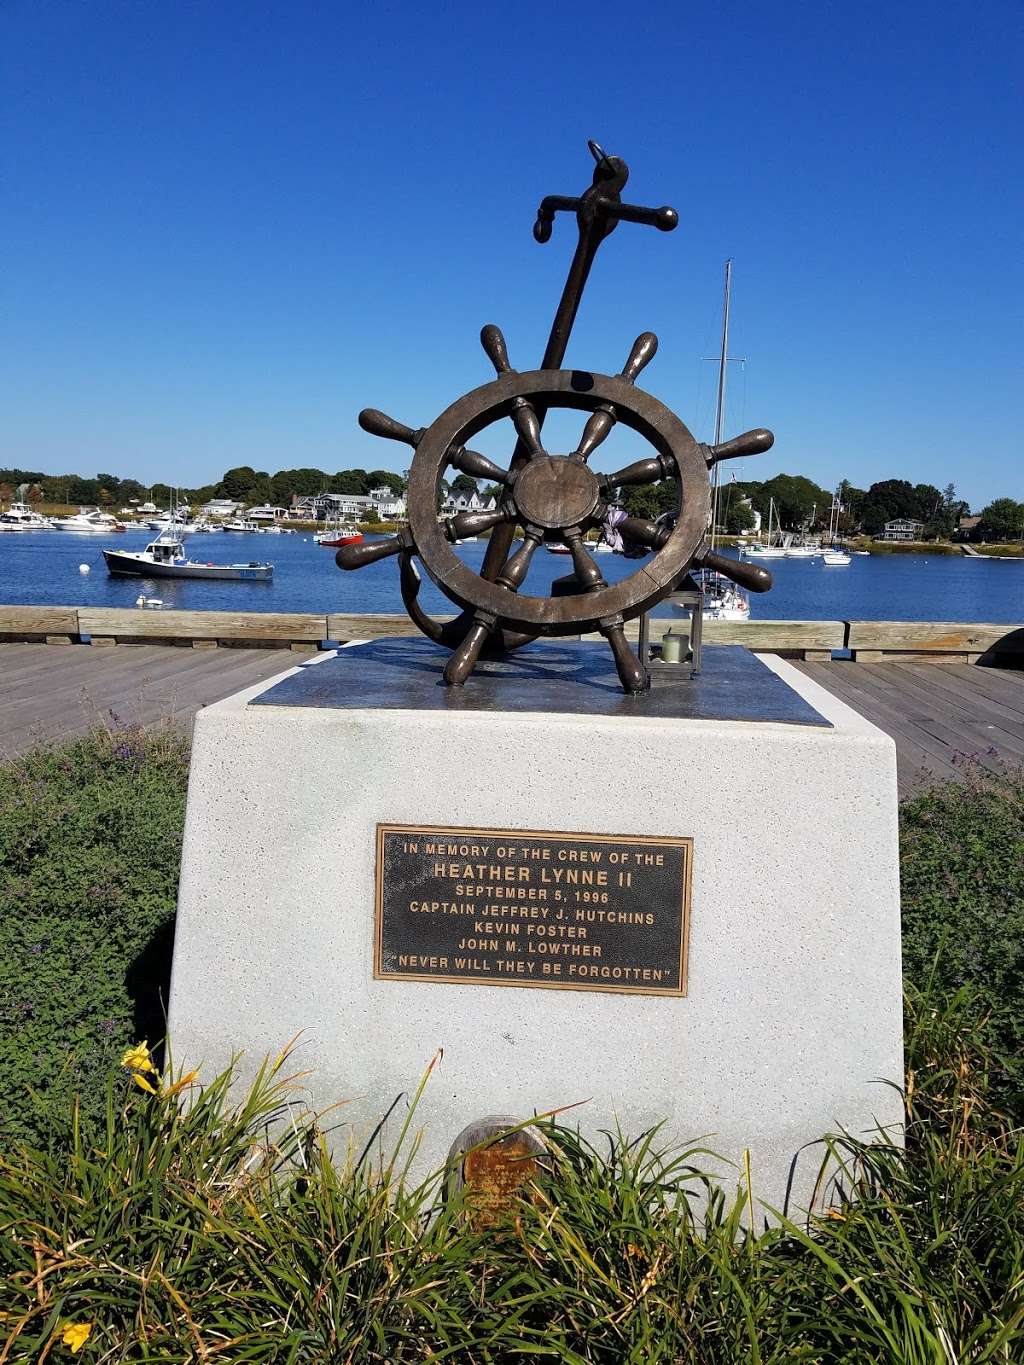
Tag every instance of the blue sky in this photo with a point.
(228, 226)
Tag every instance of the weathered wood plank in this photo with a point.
(950, 637)
(963, 735)
(933, 657)
(760, 635)
(984, 687)
(921, 758)
(54, 694)
(765, 636)
(36, 623)
(202, 625)
(370, 625)
(973, 718)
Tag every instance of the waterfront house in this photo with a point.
(265, 513)
(902, 528)
(387, 506)
(466, 502)
(222, 508)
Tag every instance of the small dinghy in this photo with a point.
(165, 558)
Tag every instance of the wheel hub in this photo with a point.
(555, 492)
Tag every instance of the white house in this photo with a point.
(222, 508)
(387, 505)
(266, 513)
(903, 528)
(466, 502)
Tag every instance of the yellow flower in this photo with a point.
(75, 1335)
(180, 1084)
(143, 1084)
(137, 1058)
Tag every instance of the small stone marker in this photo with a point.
(495, 1160)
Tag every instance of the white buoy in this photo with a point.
(83, 568)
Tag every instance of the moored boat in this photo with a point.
(165, 558)
(20, 517)
(835, 554)
(338, 536)
(89, 519)
(767, 548)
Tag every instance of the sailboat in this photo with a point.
(767, 549)
(835, 555)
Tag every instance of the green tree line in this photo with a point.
(243, 484)
(799, 503)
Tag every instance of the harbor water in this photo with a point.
(42, 568)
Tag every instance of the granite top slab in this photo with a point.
(554, 677)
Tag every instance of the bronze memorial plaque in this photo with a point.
(513, 907)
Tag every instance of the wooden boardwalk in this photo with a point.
(938, 714)
(51, 693)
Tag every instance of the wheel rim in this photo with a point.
(585, 392)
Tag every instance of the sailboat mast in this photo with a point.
(723, 365)
(723, 362)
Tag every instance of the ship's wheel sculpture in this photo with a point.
(555, 496)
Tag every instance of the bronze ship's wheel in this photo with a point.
(556, 498)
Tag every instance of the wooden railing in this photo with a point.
(867, 641)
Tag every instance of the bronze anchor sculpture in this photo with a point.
(556, 497)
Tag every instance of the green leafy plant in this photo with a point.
(209, 1223)
(90, 841)
(962, 874)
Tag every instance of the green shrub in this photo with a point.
(184, 1233)
(90, 841)
(962, 873)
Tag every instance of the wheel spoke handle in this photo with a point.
(479, 466)
(465, 524)
(493, 341)
(749, 576)
(643, 351)
(641, 471)
(356, 556)
(378, 423)
(750, 443)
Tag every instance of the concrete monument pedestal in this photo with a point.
(791, 1019)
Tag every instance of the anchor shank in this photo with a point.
(591, 238)
(598, 212)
